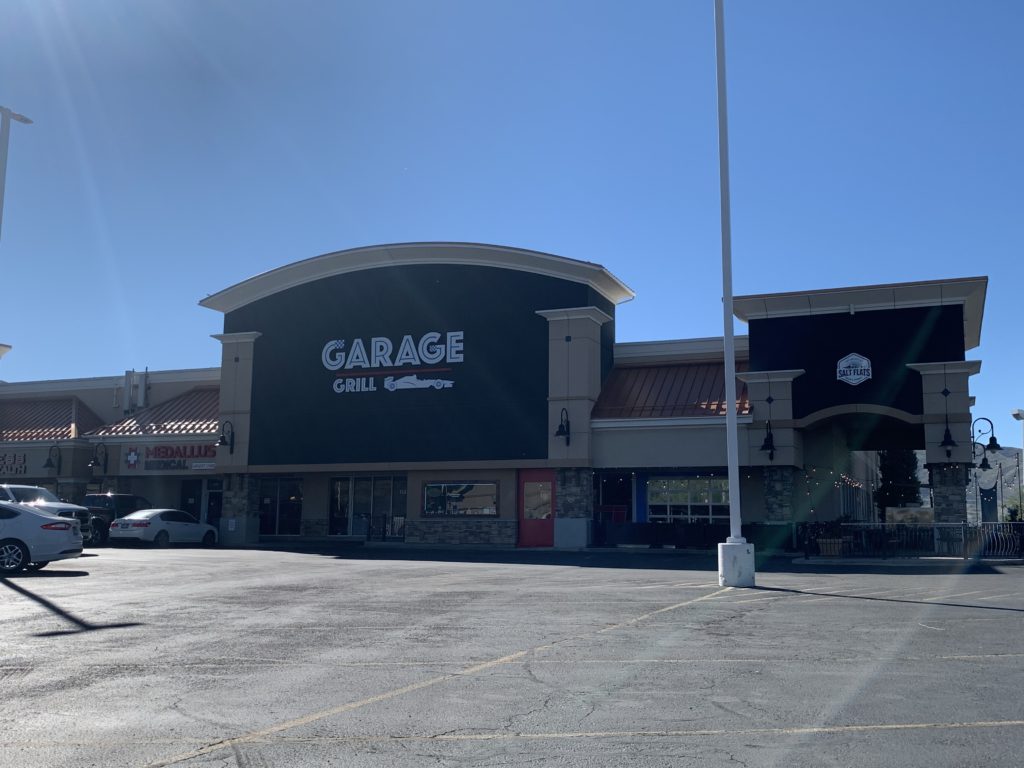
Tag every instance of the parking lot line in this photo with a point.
(386, 695)
(557, 735)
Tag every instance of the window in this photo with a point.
(356, 502)
(280, 506)
(460, 499)
(28, 494)
(688, 499)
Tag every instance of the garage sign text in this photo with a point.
(382, 356)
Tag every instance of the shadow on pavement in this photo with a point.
(646, 559)
(79, 624)
(810, 592)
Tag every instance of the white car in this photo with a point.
(30, 538)
(162, 527)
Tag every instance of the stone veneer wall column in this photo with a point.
(949, 491)
(240, 514)
(240, 517)
(778, 493)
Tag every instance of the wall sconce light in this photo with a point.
(563, 427)
(947, 440)
(227, 436)
(769, 441)
(947, 437)
(99, 458)
(53, 461)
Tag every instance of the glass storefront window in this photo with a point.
(687, 499)
(338, 515)
(280, 506)
(460, 499)
(536, 501)
(368, 506)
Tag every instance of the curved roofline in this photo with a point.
(400, 254)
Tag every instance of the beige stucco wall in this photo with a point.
(665, 446)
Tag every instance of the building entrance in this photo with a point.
(369, 507)
(537, 508)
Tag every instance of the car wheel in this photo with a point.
(162, 539)
(100, 533)
(36, 566)
(13, 556)
(209, 539)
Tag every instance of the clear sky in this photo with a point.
(181, 146)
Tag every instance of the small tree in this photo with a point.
(898, 484)
(1012, 507)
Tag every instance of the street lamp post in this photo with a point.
(991, 446)
(1019, 416)
(6, 115)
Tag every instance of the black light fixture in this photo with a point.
(227, 436)
(984, 466)
(992, 446)
(769, 436)
(53, 460)
(769, 441)
(947, 440)
(563, 427)
(947, 437)
(99, 458)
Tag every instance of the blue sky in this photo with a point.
(181, 146)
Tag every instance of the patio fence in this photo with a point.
(966, 540)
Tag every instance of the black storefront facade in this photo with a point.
(475, 395)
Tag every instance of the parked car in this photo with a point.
(105, 508)
(31, 538)
(162, 527)
(46, 501)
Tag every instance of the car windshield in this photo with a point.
(100, 501)
(28, 495)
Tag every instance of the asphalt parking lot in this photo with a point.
(193, 657)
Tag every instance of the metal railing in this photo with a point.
(966, 540)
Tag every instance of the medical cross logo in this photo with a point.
(132, 459)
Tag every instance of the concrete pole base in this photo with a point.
(735, 564)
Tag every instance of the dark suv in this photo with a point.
(40, 498)
(105, 508)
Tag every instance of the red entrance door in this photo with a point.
(536, 508)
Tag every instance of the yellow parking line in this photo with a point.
(728, 732)
(331, 712)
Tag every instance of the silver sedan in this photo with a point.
(162, 527)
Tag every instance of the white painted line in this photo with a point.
(948, 597)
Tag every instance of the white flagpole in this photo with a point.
(735, 556)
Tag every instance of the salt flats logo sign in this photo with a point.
(854, 369)
(430, 353)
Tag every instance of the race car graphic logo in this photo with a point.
(415, 382)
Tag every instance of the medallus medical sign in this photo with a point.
(360, 366)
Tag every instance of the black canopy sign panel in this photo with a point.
(858, 358)
(424, 362)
